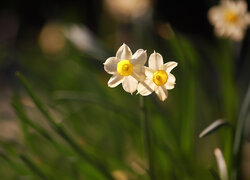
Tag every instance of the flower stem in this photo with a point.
(147, 137)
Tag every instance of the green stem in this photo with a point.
(147, 137)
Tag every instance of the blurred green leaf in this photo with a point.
(213, 127)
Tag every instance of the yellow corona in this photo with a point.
(160, 77)
(124, 68)
(231, 17)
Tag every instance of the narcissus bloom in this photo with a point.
(158, 77)
(230, 19)
(126, 10)
(126, 68)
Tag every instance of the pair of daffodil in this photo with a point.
(129, 70)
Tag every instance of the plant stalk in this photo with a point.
(147, 138)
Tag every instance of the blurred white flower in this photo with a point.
(158, 77)
(126, 68)
(83, 39)
(51, 39)
(125, 10)
(230, 19)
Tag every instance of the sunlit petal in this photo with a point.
(169, 85)
(139, 72)
(149, 72)
(171, 78)
(129, 84)
(124, 52)
(171, 82)
(146, 88)
(155, 61)
(140, 57)
(115, 80)
(162, 93)
(169, 66)
(110, 65)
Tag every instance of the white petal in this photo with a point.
(129, 84)
(145, 88)
(139, 72)
(169, 86)
(110, 65)
(149, 72)
(171, 82)
(228, 4)
(140, 57)
(155, 61)
(214, 14)
(237, 34)
(171, 78)
(169, 66)
(162, 93)
(124, 52)
(115, 80)
(241, 7)
(247, 18)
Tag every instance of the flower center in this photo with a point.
(124, 68)
(230, 16)
(160, 77)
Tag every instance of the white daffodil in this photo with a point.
(230, 19)
(158, 77)
(126, 68)
(126, 10)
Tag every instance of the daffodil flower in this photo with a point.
(230, 19)
(126, 68)
(158, 77)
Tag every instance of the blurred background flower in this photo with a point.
(84, 40)
(230, 19)
(51, 39)
(128, 10)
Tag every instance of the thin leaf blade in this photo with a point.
(213, 127)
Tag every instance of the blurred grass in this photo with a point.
(60, 131)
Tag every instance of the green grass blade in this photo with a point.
(61, 131)
(213, 127)
(21, 114)
(239, 133)
(86, 98)
(33, 167)
(17, 106)
(35, 99)
(12, 164)
(186, 55)
(241, 121)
